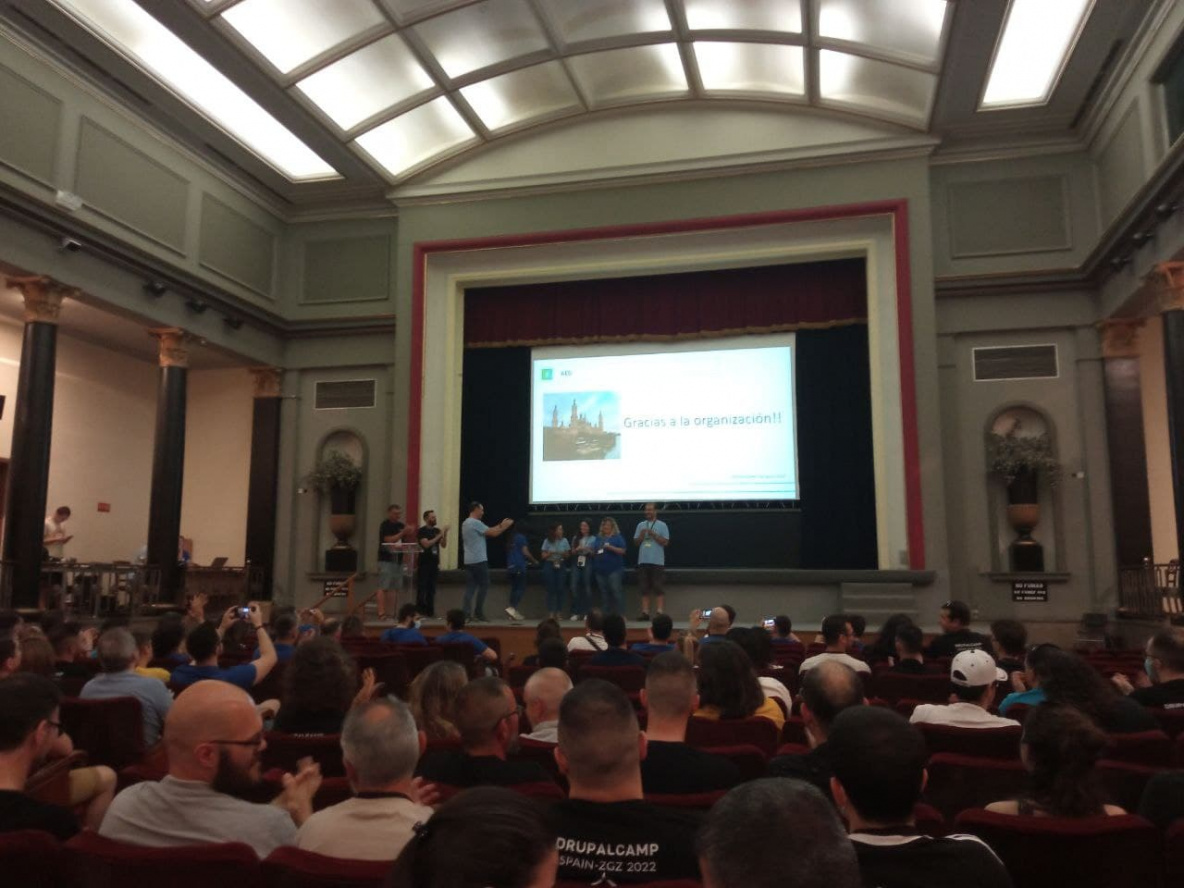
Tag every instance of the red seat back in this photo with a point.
(289, 867)
(758, 732)
(95, 862)
(795, 730)
(1002, 743)
(1171, 721)
(517, 675)
(110, 732)
(390, 669)
(1143, 748)
(893, 686)
(272, 686)
(418, 656)
(284, 751)
(630, 679)
(959, 782)
(1174, 854)
(751, 761)
(31, 858)
(699, 800)
(542, 754)
(1124, 782)
(929, 820)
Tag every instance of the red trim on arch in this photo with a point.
(898, 209)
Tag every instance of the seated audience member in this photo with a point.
(671, 766)
(352, 627)
(432, 699)
(11, 622)
(879, 772)
(10, 655)
(37, 656)
(1027, 690)
(482, 838)
(1163, 799)
(593, 637)
(1010, 639)
(728, 686)
(660, 630)
(909, 658)
(486, 716)
(205, 643)
(827, 690)
(68, 645)
(143, 640)
(783, 631)
(1069, 679)
(167, 638)
(955, 632)
(755, 642)
(285, 627)
(28, 729)
(731, 612)
(546, 629)
(607, 831)
(117, 657)
(1163, 671)
(332, 629)
(615, 654)
(884, 648)
(972, 678)
(552, 653)
(542, 695)
(455, 619)
(858, 627)
(837, 635)
(718, 625)
(239, 640)
(214, 738)
(319, 688)
(406, 630)
(763, 828)
(1060, 747)
(380, 745)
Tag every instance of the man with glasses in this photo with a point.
(214, 738)
(488, 718)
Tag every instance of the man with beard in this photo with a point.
(430, 538)
(214, 738)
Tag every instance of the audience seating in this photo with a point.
(285, 750)
(671, 883)
(162, 663)
(794, 730)
(95, 862)
(1002, 743)
(1178, 751)
(30, 858)
(417, 656)
(1174, 854)
(516, 676)
(111, 732)
(893, 686)
(71, 685)
(1094, 852)
(755, 731)
(1143, 748)
(1018, 712)
(787, 676)
(1171, 721)
(292, 868)
(272, 686)
(958, 782)
(539, 752)
(630, 679)
(700, 800)
(751, 761)
(50, 784)
(1124, 782)
(929, 820)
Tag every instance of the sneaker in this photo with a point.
(577, 618)
(644, 617)
(480, 618)
(514, 615)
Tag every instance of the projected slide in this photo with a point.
(689, 422)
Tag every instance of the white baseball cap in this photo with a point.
(975, 669)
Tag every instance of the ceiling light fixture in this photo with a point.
(1032, 50)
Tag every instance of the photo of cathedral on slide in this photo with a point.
(581, 425)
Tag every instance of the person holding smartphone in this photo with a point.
(608, 565)
(652, 536)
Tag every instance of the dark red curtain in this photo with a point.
(669, 306)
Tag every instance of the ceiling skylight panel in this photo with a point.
(128, 27)
(519, 96)
(630, 75)
(423, 133)
(755, 15)
(751, 67)
(290, 32)
(474, 37)
(877, 87)
(909, 27)
(1037, 36)
(579, 20)
(366, 82)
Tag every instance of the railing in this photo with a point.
(1150, 590)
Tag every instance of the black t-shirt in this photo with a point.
(905, 859)
(323, 722)
(454, 767)
(386, 529)
(428, 557)
(19, 811)
(616, 657)
(911, 667)
(71, 669)
(625, 842)
(1166, 694)
(1010, 665)
(950, 644)
(1163, 799)
(677, 769)
(813, 767)
(1127, 716)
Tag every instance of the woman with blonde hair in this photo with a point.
(608, 565)
(432, 696)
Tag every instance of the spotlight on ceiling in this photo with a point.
(1139, 238)
(196, 306)
(1166, 209)
(232, 322)
(155, 288)
(1118, 263)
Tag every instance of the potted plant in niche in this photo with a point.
(339, 476)
(1020, 461)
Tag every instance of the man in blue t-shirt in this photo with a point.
(407, 632)
(652, 536)
(205, 643)
(473, 534)
(456, 635)
(660, 631)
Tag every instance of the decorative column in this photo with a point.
(28, 475)
(1124, 435)
(264, 479)
(1171, 306)
(168, 462)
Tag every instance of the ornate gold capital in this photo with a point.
(1120, 337)
(173, 351)
(1168, 278)
(267, 381)
(43, 297)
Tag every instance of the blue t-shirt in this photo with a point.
(283, 653)
(242, 676)
(607, 562)
(555, 550)
(1030, 697)
(616, 657)
(649, 552)
(472, 535)
(647, 647)
(463, 638)
(515, 557)
(403, 635)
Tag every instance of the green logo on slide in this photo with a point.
(546, 373)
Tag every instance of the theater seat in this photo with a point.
(893, 686)
(1143, 748)
(1124, 782)
(111, 732)
(92, 861)
(1171, 721)
(630, 679)
(698, 800)
(293, 868)
(929, 820)
(1093, 852)
(958, 782)
(794, 730)
(284, 751)
(751, 761)
(516, 676)
(758, 732)
(390, 669)
(31, 859)
(1174, 854)
(1001, 743)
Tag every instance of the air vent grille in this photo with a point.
(1015, 362)
(345, 395)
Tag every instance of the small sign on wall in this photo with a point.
(1030, 591)
(337, 588)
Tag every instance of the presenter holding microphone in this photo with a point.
(652, 536)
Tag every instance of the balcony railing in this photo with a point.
(1150, 591)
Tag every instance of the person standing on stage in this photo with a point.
(651, 536)
(431, 538)
(581, 572)
(608, 564)
(517, 554)
(473, 533)
(556, 551)
(390, 565)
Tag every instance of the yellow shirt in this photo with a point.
(162, 674)
(769, 709)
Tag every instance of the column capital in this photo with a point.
(267, 381)
(173, 349)
(1120, 337)
(43, 297)
(1169, 296)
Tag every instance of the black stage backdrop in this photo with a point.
(834, 528)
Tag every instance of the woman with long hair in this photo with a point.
(319, 687)
(1060, 747)
(556, 551)
(1068, 679)
(582, 550)
(431, 698)
(728, 686)
(608, 565)
(885, 645)
(548, 628)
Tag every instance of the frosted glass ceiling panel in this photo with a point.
(417, 136)
(521, 95)
(751, 67)
(628, 75)
(290, 32)
(592, 19)
(481, 35)
(128, 27)
(910, 27)
(370, 80)
(878, 87)
(759, 15)
(1037, 37)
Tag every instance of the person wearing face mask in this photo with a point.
(1162, 686)
(406, 631)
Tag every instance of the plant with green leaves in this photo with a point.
(336, 471)
(1014, 455)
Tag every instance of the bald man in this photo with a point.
(214, 738)
(718, 625)
(542, 695)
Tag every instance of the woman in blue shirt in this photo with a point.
(517, 554)
(581, 571)
(608, 564)
(556, 551)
